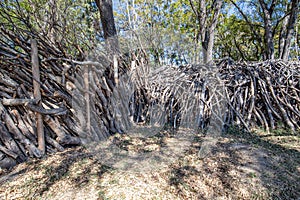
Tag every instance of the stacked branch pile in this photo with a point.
(264, 94)
(59, 75)
(78, 97)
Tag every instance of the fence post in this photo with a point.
(37, 95)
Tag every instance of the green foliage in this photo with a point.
(234, 40)
(239, 41)
(66, 23)
(168, 30)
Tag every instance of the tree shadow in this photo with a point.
(84, 160)
(278, 166)
(77, 166)
(182, 178)
(10, 176)
(273, 170)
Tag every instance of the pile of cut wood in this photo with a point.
(37, 113)
(265, 94)
(46, 94)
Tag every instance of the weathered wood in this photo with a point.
(23, 128)
(18, 102)
(54, 143)
(62, 137)
(8, 152)
(41, 110)
(261, 93)
(87, 102)
(116, 69)
(20, 137)
(6, 162)
(7, 90)
(8, 141)
(37, 95)
(5, 95)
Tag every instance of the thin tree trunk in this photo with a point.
(269, 39)
(282, 37)
(217, 9)
(290, 29)
(207, 29)
(269, 42)
(53, 19)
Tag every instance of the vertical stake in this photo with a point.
(116, 73)
(37, 95)
(87, 100)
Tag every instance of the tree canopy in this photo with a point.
(182, 31)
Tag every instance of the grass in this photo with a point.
(241, 165)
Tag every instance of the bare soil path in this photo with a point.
(239, 166)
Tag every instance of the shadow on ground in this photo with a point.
(75, 167)
(240, 166)
(246, 166)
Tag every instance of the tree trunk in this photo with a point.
(217, 9)
(267, 15)
(207, 28)
(52, 20)
(108, 24)
(290, 29)
(282, 36)
(269, 39)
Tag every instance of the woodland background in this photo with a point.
(46, 44)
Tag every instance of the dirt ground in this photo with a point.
(240, 165)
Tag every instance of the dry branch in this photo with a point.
(258, 94)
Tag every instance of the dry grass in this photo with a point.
(240, 166)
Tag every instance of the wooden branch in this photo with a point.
(41, 110)
(19, 136)
(10, 143)
(62, 137)
(8, 152)
(5, 95)
(86, 63)
(6, 163)
(18, 102)
(54, 143)
(22, 126)
(116, 73)
(87, 100)
(37, 95)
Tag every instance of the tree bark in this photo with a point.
(212, 27)
(290, 29)
(10, 143)
(18, 102)
(267, 16)
(207, 27)
(52, 20)
(18, 136)
(108, 24)
(282, 35)
(37, 94)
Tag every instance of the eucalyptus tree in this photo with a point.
(207, 14)
(108, 25)
(277, 18)
(174, 30)
(235, 40)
